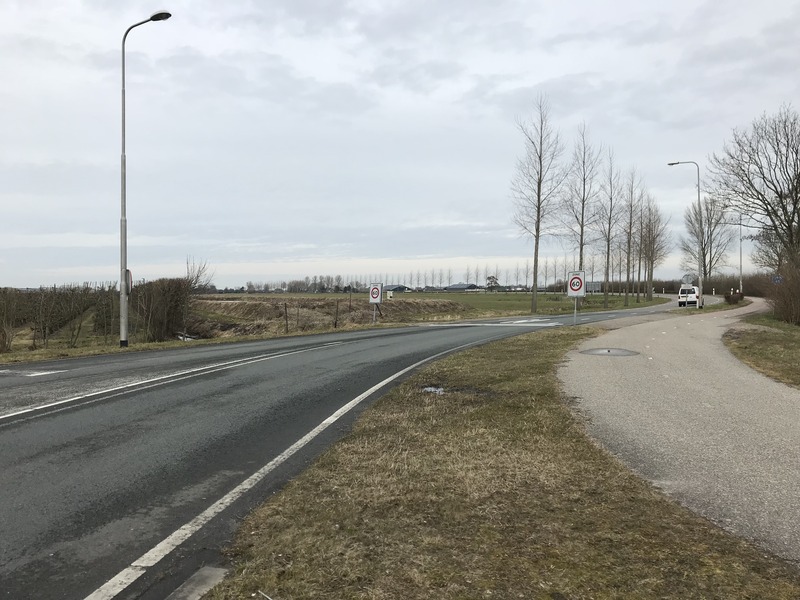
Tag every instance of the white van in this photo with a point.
(688, 295)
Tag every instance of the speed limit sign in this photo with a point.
(577, 284)
(375, 293)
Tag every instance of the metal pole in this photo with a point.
(701, 254)
(741, 289)
(701, 233)
(124, 290)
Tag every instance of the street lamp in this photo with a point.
(124, 284)
(741, 289)
(700, 227)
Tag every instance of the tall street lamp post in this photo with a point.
(700, 228)
(124, 284)
(741, 289)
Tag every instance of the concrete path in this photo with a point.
(715, 435)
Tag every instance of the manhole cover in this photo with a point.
(609, 352)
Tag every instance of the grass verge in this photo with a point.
(769, 346)
(489, 490)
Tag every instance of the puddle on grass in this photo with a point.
(433, 390)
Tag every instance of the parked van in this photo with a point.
(688, 295)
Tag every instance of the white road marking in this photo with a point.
(164, 379)
(523, 321)
(40, 373)
(118, 583)
(31, 373)
(504, 324)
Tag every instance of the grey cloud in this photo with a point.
(301, 17)
(570, 94)
(402, 69)
(259, 76)
(634, 34)
(72, 179)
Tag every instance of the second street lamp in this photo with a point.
(124, 284)
(700, 236)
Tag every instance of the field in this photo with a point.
(230, 317)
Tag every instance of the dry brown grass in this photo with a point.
(490, 490)
(768, 345)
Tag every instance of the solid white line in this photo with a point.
(121, 581)
(170, 378)
(31, 373)
(40, 373)
(543, 324)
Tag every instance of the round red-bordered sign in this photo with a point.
(375, 292)
(576, 283)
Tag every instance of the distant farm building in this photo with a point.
(462, 287)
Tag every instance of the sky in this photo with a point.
(371, 139)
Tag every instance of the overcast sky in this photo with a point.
(284, 138)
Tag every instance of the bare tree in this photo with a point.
(768, 252)
(198, 275)
(538, 180)
(656, 243)
(608, 209)
(580, 197)
(708, 239)
(632, 199)
(758, 174)
(527, 271)
(468, 274)
(546, 271)
(556, 267)
(10, 311)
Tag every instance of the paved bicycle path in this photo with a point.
(685, 414)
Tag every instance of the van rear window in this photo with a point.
(686, 291)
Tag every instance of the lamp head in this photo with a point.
(672, 164)
(161, 15)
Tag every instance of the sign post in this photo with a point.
(375, 298)
(576, 289)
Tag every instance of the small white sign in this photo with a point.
(375, 293)
(576, 284)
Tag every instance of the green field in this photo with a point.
(515, 303)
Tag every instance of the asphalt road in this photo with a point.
(709, 431)
(121, 475)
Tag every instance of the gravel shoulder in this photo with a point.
(685, 414)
